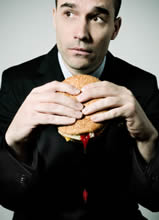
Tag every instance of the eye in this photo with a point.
(98, 19)
(68, 14)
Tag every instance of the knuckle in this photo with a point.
(131, 107)
(51, 108)
(49, 118)
(37, 107)
(54, 96)
(105, 83)
(58, 86)
(35, 118)
(55, 83)
(105, 90)
(106, 101)
(114, 114)
(127, 91)
(54, 107)
(31, 99)
(132, 103)
(35, 90)
(33, 115)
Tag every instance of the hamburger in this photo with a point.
(83, 129)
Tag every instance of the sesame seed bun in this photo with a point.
(84, 125)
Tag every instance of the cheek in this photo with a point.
(63, 34)
(102, 44)
(102, 39)
(60, 37)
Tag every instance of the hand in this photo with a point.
(120, 102)
(44, 105)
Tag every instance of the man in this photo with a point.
(43, 176)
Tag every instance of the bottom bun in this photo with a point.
(79, 137)
(76, 137)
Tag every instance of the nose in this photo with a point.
(82, 30)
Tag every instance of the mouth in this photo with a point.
(80, 51)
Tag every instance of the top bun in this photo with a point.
(84, 125)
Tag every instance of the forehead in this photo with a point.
(88, 4)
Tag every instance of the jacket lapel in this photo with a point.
(49, 69)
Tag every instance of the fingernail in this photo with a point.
(71, 120)
(94, 118)
(79, 106)
(77, 91)
(80, 115)
(84, 88)
(80, 98)
(85, 111)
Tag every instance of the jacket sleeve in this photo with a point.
(144, 182)
(15, 176)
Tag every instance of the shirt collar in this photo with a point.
(97, 73)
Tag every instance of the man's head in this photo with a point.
(117, 5)
(84, 29)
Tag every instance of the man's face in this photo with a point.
(84, 29)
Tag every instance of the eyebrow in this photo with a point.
(68, 5)
(98, 9)
(101, 10)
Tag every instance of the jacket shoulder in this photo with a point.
(23, 70)
(142, 83)
(131, 71)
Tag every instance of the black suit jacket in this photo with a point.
(50, 185)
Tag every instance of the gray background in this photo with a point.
(26, 31)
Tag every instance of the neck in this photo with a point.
(81, 71)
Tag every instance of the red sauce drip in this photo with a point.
(85, 138)
(85, 195)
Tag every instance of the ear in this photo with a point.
(54, 17)
(117, 25)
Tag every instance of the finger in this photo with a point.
(99, 90)
(110, 114)
(52, 97)
(56, 86)
(56, 109)
(99, 84)
(45, 119)
(102, 104)
(92, 93)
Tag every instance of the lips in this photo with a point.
(82, 51)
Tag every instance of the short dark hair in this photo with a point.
(117, 5)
